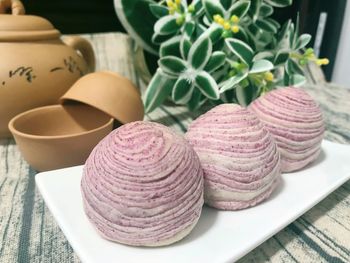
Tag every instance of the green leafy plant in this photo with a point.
(221, 51)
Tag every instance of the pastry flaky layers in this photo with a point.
(239, 157)
(143, 186)
(295, 120)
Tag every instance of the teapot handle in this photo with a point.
(84, 47)
(15, 6)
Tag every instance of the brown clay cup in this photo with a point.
(57, 136)
(109, 92)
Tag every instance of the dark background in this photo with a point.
(91, 16)
(77, 16)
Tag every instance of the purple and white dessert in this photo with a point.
(239, 157)
(295, 120)
(143, 185)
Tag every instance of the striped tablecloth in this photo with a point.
(29, 233)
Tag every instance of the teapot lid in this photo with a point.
(18, 27)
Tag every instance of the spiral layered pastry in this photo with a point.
(295, 120)
(239, 157)
(142, 185)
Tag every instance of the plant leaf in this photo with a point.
(241, 50)
(255, 9)
(291, 35)
(214, 32)
(185, 46)
(206, 22)
(302, 41)
(296, 32)
(241, 96)
(220, 74)
(189, 28)
(183, 5)
(159, 39)
(281, 57)
(140, 30)
(199, 30)
(158, 10)
(284, 31)
(232, 82)
(297, 80)
(265, 10)
(172, 65)
(242, 35)
(297, 68)
(261, 66)
(293, 67)
(200, 52)
(239, 8)
(229, 96)
(166, 25)
(266, 25)
(268, 55)
(226, 4)
(195, 100)
(286, 79)
(273, 42)
(207, 85)
(213, 8)
(245, 95)
(279, 3)
(198, 7)
(182, 90)
(157, 91)
(265, 38)
(170, 47)
(288, 67)
(216, 60)
(255, 31)
(274, 22)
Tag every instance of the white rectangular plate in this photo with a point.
(219, 236)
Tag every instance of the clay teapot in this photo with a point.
(37, 67)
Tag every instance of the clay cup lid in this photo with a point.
(17, 27)
(110, 93)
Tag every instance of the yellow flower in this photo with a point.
(268, 76)
(235, 19)
(217, 18)
(235, 29)
(322, 61)
(170, 4)
(325, 61)
(226, 25)
(221, 21)
(178, 2)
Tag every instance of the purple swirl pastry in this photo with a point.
(239, 157)
(143, 185)
(295, 120)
